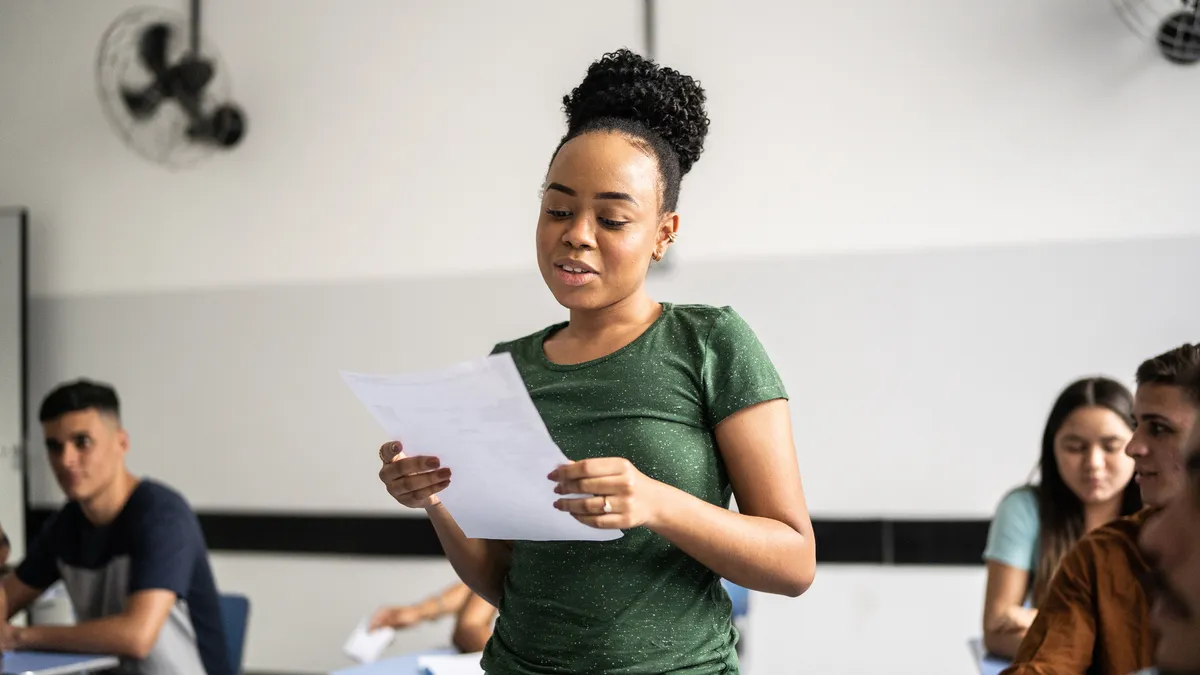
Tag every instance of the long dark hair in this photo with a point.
(1059, 509)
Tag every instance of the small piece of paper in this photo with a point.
(477, 418)
(451, 664)
(365, 646)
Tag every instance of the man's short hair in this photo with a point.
(1176, 368)
(77, 396)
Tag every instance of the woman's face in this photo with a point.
(600, 222)
(1089, 449)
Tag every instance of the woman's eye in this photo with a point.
(612, 224)
(557, 213)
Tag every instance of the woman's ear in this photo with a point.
(668, 231)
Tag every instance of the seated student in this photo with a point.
(1086, 482)
(473, 616)
(1171, 541)
(1094, 617)
(129, 550)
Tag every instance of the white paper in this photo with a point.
(477, 418)
(366, 646)
(451, 664)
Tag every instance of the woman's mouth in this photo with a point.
(573, 273)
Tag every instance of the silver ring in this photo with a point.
(607, 506)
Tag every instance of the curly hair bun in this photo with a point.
(624, 85)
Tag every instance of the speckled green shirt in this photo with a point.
(637, 604)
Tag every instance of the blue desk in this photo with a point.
(54, 663)
(989, 664)
(397, 665)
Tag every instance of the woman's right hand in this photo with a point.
(412, 481)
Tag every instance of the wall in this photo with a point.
(398, 147)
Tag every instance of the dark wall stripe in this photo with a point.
(860, 542)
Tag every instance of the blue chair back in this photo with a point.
(740, 597)
(235, 616)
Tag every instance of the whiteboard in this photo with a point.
(12, 294)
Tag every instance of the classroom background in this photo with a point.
(935, 214)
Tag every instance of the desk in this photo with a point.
(54, 663)
(989, 664)
(397, 665)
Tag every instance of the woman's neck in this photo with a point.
(1095, 515)
(635, 311)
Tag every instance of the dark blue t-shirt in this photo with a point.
(154, 543)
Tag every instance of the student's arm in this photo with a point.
(1063, 636)
(15, 596)
(1005, 619)
(131, 633)
(448, 601)
(474, 626)
(1012, 538)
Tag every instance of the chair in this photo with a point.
(740, 597)
(235, 616)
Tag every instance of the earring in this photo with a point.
(657, 255)
(671, 237)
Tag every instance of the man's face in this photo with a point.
(87, 452)
(1165, 417)
(1171, 540)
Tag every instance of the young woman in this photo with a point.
(472, 616)
(1086, 482)
(665, 411)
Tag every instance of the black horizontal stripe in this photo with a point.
(844, 541)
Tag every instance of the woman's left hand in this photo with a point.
(625, 497)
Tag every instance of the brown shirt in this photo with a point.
(1094, 618)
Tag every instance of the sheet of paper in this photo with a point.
(365, 646)
(478, 419)
(450, 664)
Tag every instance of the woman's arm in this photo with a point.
(414, 482)
(482, 564)
(767, 547)
(474, 626)
(1005, 618)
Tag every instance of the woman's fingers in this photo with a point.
(405, 484)
(403, 466)
(621, 484)
(590, 505)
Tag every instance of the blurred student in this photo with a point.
(1171, 540)
(1094, 617)
(473, 616)
(1086, 481)
(129, 551)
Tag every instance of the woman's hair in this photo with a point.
(1059, 509)
(660, 109)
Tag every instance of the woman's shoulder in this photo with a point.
(1022, 500)
(516, 345)
(711, 323)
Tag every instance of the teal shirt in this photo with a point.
(1013, 537)
(637, 604)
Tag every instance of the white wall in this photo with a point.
(408, 139)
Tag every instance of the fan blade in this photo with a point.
(142, 103)
(192, 75)
(153, 48)
(225, 127)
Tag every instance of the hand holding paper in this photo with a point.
(365, 645)
(472, 436)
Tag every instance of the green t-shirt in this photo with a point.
(637, 604)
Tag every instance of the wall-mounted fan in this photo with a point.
(165, 93)
(1174, 25)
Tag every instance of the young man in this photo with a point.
(129, 551)
(1171, 540)
(1095, 616)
